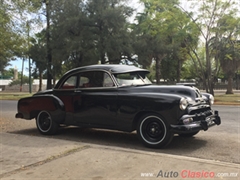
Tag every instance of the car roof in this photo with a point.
(113, 68)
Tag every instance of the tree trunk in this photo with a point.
(102, 58)
(159, 59)
(209, 77)
(212, 86)
(158, 70)
(40, 81)
(179, 70)
(208, 68)
(237, 82)
(206, 81)
(204, 85)
(230, 84)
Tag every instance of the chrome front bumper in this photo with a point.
(203, 124)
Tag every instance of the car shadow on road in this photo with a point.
(178, 146)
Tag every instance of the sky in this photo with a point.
(18, 62)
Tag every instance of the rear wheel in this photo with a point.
(154, 131)
(45, 123)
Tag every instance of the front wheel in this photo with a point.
(45, 123)
(154, 131)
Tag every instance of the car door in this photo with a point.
(97, 106)
(67, 93)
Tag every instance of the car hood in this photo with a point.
(191, 93)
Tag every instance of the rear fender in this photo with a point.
(28, 108)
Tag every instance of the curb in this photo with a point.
(179, 157)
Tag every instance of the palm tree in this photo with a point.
(228, 53)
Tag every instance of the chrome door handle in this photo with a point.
(77, 90)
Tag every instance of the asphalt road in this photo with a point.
(218, 143)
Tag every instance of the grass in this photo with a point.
(13, 95)
(227, 99)
(220, 99)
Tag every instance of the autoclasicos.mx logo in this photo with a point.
(186, 174)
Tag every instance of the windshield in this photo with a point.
(132, 79)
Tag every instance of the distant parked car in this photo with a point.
(120, 97)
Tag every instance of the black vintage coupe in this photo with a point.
(120, 97)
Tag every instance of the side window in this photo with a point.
(94, 79)
(84, 81)
(97, 79)
(107, 81)
(70, 83)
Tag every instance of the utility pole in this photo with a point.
(29, 60)
(49, 50)
(22, 75)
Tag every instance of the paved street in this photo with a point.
(32, 157)
(26, 153)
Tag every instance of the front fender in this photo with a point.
(206, 97)
(165, 105)
(28, 108)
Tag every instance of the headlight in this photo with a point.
(211, 99)
(183, 103)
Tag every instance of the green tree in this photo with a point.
(72, 41)
(13, 16)
(109, 27)
(86, 32)
(8, 73)
(209, 12)
(230, 60)
(162, 30)
(226, 45)
(10, 40)
(38, 54)
(194, 68)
